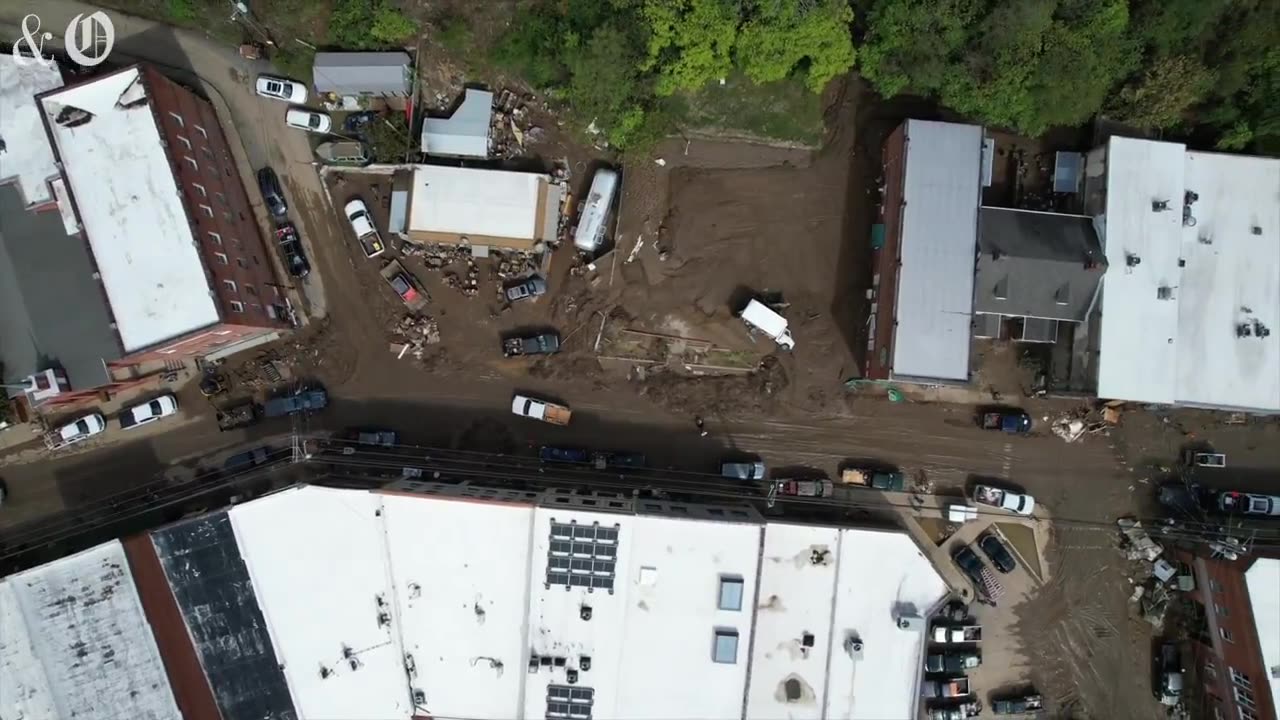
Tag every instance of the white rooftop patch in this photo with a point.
(939, 240)
(1263, 581)
(26, 158)
(73, 638)
(131, 208)
(318, 561)
(486, 207)
(1190, 307)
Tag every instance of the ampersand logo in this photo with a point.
(33, 40)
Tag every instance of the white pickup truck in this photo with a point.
(547, 412)
(1016, 503)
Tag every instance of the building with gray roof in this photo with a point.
(356, 74)
(465, 133)
(1043, 268)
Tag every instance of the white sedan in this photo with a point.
(278, 88)
(309, 120)
(149, 412)
(82, 428)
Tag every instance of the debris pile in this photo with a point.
(413, 334)
(1085, 421)
(510, 127)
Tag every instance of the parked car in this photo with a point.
(949, 688)
(295, 258)
(1180, 497)
(971, 564)
(619, 460)
(344, 153)
(543, 410)
(1012, 421)
(530, 287)
(540, 344)
(239, 415)
(269, 184)
(548, 453)
(1016, 503)
(1018, 705)
(356, 122)
(954, 662)
(312, 400)
(362, 224)
(148, 412)
(1168, 685)
(818, 487)
(278, 88)
(81, 428)
(742, 470)
(309, 120)
(248, 459)
(876, 479)
(1249, 503)
(405, 285)
(378, 437)
(996, 552)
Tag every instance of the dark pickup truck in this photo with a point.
(542, 344)
(1014, 422)
(302, 401)
(1017, 705)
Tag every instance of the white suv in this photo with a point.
(278, 88)
(82, 428)
(149, 412)
(309, 120)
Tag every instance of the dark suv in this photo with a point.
(997, 552)
(291, 246)
(269, 184)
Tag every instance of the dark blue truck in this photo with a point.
(301, 401)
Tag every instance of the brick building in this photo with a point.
(1235, 634)
(173, 243)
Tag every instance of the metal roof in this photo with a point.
(1037, 264)
(465, 133)
(942, 186)
(362, 73)
(55, 313)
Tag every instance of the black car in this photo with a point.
(620, 460)
(295, 258)
(548, 453)
(997, 552)
(357, 121)
(971, 564)
(269, 184)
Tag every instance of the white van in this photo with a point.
(763, 318)
(595, 211)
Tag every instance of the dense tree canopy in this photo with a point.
(1031, 64)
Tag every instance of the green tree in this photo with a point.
(784, 34)
(1163, 94)
(690, 41)
(915, 44)
(390, 26)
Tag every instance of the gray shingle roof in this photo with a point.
(52, 312)
(1036, 264)
(362, 73)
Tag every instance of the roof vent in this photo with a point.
(585, 612)
(853, 646)
(1257, 229)
(533, 664)
(1132, 260)
(584, 662)
(572, 676)
(1159, 205)
(1164, 292)
(70, 117)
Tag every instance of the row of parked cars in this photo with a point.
(91, 424)
(955, 649)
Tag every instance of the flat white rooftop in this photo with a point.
(938, 248)
(494, 207)
(460, 608)
(1183, 301)
(27, 158)
(73, 639)
(131, 209)
(1263, 581)
(820, 587)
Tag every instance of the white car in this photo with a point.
(278, 88)
(149, 412)
(362, 224)
(81, 428)
(309, 120)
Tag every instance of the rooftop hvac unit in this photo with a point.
(853, 646)
(911, 623)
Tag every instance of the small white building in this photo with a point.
(494, 208)
(463, 134)
(1191, 302)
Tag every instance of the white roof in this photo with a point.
(27, 157)
(1218, 273)
(73, 638)
(473, 595)
(318, 561)
(466, 132)
(464, 201)
(1263, 581)
(132, 210)
(939, 240)
(832, 583)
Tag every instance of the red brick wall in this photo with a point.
(235, 256)
(200, 342)
(1222, 591)
(887, 260)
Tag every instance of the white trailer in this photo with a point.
(766, 320)
(595, 211)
